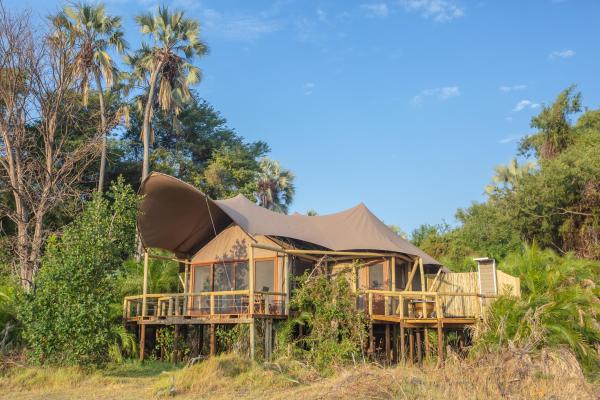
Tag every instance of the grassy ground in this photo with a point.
(516, 376)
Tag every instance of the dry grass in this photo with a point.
(510, 375)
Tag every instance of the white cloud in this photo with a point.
(376, 9)
(523, 104)
(308, 88)
(513, 88)
(443, 93)
(237, 27)
(561, 54)
(438, 10)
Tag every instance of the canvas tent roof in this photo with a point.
(177, 217)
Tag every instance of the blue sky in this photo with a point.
(405, 105)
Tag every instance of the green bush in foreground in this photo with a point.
(67, 317)
(334, 333)
(559, 306)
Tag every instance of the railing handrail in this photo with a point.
(203, 294)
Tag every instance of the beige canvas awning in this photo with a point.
(177, 217)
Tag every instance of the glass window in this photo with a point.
(224, 277)
(376, 278)
(202, 279)
(265, 275)
(241, 276)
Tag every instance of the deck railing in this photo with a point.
(423, 305)
(204, 304)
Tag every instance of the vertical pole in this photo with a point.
(213, 340)
(411, 344)
(142, 341)
(427, 347)
(440, 335)
(423, 286)
(175, 347)
(251, 282)
(268, 338)
(419, 346)
(252, 340)
(286, 273)
(402, 342)
(186, 277)
(395, 343)
(371, 340)
(388, 347)
(393, 263)
(145, 287)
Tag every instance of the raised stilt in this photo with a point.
(252, 341)
(419, 346)
(175, 342)
(440, 334)
(213, 340)
(388, 345)
(402, 342)
(142, 341)
(411, 344)
(427, 346)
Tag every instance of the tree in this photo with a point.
(68, 318)
(94, 33)
(203, 150)
(165, 64)
(275, 186)
(41, 159)
(508, 176)
(555, 133)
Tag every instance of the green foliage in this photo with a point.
(165, 344)
(276, 187)
(67, 317)
(334, 333)
(10, 327)
(559, 306)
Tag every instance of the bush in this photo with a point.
(334, 333)
(67, 316)
(559, 307)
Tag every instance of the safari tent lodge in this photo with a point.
(237, 261)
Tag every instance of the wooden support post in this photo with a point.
(213, 340)
(402, 342)
(427, 347)
(142, 341)
(162, 347)
(388, 345)
(370, 304)
(200, 339)
(251, 276)
(175, 347)
(411, 344)
(186, 278)
(371, 340)
(286, 274)
(419, 346)
(252, 340)
(145, 286)
(268, 338)
(393, 266)
(171, 310)
(395, 356)
(423, 287)
(440, 334)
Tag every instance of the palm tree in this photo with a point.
(508, 176)
(165, 63)
(94, 33)
(275, 186)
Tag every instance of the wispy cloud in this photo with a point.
(307, 88)
(561, 54)
(438, 10)
(238, 27)
(321, 15)
(510, 139)
(513, 88)
(523, 104)
(376, 9)
(442, 93)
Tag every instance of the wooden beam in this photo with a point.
(252, 340)
(388, 345)
(145, 285)
(213, 340)
(371, 340)
(411, 275)
(402, 342)
(440, 344)
(251, 278)
(435, 280)
(411, 344)
(419, 346)
(142, 341)
(427, 347)
(286, 275)
(175, 347)
(393, 266)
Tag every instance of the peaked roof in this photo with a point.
(177, 217)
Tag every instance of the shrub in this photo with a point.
(334, 332)
(559, 307)
(67, 317)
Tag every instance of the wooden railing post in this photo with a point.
(286, 273)
(177, 306)
(125, 307)
(170, 307)
(145, 287)
(370, 304)
(212, 304)
(251, 280)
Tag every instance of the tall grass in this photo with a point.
(559, 307)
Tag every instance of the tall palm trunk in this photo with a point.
(146, 125)
(103, 132)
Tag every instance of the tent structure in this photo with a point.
(177, 217)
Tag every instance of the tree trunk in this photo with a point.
(146, 124)
(103, 133)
